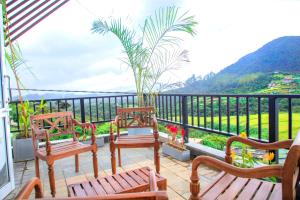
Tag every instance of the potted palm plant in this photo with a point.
(152, 50)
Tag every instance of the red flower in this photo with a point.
(182, 132)
(172, 129)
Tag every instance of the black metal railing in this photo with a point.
(266, 118)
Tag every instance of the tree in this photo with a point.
(156, 50)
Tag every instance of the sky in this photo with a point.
(63, 53)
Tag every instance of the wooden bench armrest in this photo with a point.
(26, 191)
(257, 172)
(286, 144)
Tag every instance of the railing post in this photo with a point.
(82, 110)
(273, 122)
(185, 118)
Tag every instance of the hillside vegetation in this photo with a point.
(272, 69)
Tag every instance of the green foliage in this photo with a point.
(27, 111)
(155, 49)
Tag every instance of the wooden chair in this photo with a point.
(153, 194)
(46, 126)
(246, 183)
(134, 118)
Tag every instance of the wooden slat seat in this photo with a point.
(136, 180)
(135, 140)
(63, 149)
(229, 187)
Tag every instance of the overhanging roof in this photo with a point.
(23, 15)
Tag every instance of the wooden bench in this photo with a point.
(91, 190)
(47, 126)
(246, 183)
(136, 180)
(126, 118)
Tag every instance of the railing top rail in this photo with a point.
(77, 98)
(235, 95)
(174, 94)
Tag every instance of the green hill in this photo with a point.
(273, 68)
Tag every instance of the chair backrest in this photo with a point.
(290, 174)
(139, 117)
(55, 124)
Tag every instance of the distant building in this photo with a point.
(272, 85)
(287, 79)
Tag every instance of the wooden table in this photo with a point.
(136, 180)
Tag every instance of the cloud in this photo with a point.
(64, 53)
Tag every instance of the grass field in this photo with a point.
(253, 124)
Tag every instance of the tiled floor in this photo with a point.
(176, 172)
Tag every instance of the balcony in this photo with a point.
(264, 118)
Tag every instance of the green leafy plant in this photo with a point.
(246, 160)
(155, 49)
(24, 119)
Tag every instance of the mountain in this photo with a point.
(282, 54)
(254, 73)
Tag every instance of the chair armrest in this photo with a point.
(155, 124)
(38, 133)
(25, 192)
(86, 126)
(258, 145)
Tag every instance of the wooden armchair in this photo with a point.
(153, 194)
(245, 183)
(134, 118)
(46, 126)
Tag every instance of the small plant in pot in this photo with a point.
(175, 145)
(22, 144)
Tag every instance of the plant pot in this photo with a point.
(23, 149)
(182, 155)
(99, 141)
(140, 131)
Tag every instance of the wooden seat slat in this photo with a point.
(122, 182)
(263, 191)
(249, 190)
(60, 149)
(97, 186)
(70, 191)
(134, 176)
(106, 186)
(219, 187)
(146, 171)
(142, 175)
(79, 192)
(136, 136)
(277, 192)
(129, 180)
(88, 189)
(233, 189)
(117, 187)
